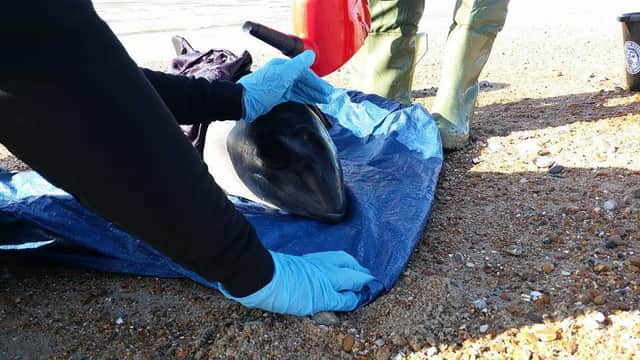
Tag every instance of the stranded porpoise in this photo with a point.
(284, 159)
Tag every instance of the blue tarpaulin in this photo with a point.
(391, 157)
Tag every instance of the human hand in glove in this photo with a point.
(307, 284)
(282, 80)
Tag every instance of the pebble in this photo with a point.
(480, 304)
(595, 321)
(470, 265)
(379, 342)
(545, 333)
(636, 194)
(618, 90)
(458, 257)
(584, 297)
(326, 318)
(528, 146)
(600, 299)
(634, 268)
(544, 161)
(476, 160)
(601, 267)
(536, 318)
(535, 295)
(347, 343)
(119, 321)
(634, 260)
(515, 251)
(610, 205)
(556, 169)
(548, 267)
(615, 240)
(484, 328)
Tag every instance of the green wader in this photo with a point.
(475, 26)
(386, 62)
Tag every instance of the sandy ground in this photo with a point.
(532, 250)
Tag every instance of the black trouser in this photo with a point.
(77, 109)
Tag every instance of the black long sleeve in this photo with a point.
(75, 107)
(196, 100)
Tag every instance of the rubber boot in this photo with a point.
(386, 62)
(476, 24)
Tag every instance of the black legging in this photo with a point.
(77, 109)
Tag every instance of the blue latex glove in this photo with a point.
(305, 285)
(282, 80)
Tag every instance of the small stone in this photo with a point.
(601, 267)
(379, 342)
(600, 299)
(119, 321)
(610, 205)
(584, 297)
(565, 273)
(515, 251)
(544, 161)
(616, 240)
(557, 73)
(595, 321)
(636, 194)
(545, 333)
(470, 265)
(534, 317)
(618, 90)
(458, 258)
(484, 328)
(634, 268)
(347, 343)
(480, 304)
(634, 260)
(547, 240)
(535, 295)
(548, 267)
(326, 318)
(476, 160)
(556, 169)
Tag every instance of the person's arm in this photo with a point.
(196, 100)
(77, 109)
